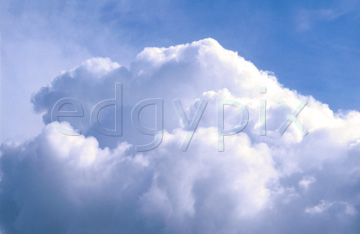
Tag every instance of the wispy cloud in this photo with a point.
(306, 19)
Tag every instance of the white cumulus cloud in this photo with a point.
(91, 183)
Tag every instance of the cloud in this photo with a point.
(306, 19)
(92, 183)
(306, 182)
(325, 206)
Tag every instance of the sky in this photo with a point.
(189, 50)
(312, 47)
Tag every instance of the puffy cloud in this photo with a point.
(95, 183)
(56, 183)
(306, 182)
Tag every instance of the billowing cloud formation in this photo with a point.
(93, 183)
